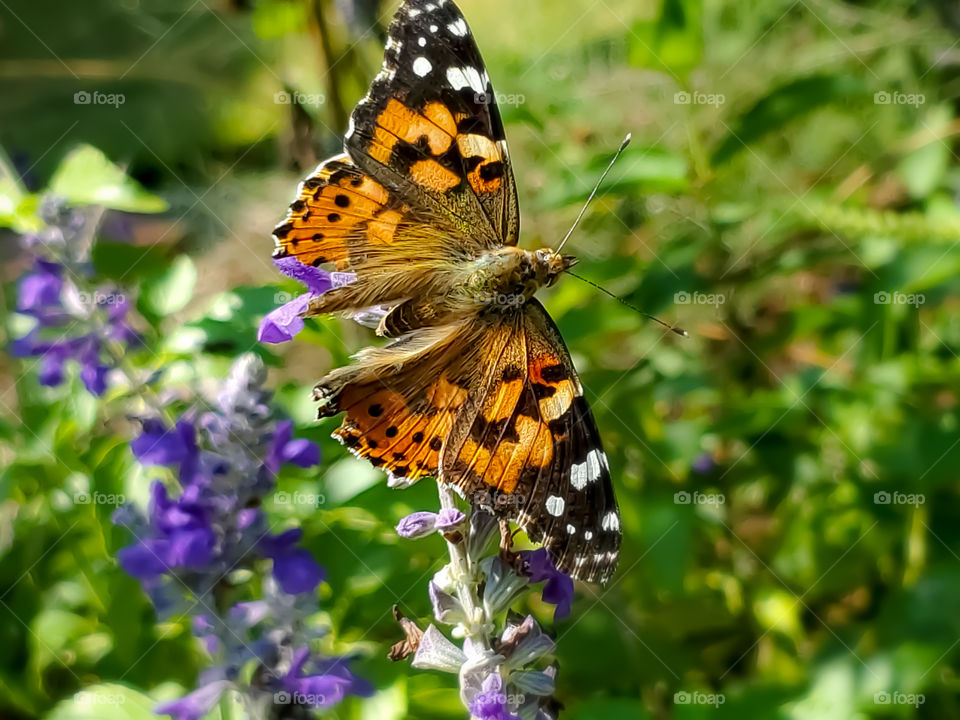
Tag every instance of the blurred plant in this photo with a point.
(500, 665)
(74, 316)
(198, 552)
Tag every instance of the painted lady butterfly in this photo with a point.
(476, 387)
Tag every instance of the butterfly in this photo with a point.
(476, 387)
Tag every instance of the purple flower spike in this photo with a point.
(417, 525)
(559, 588)
(195, 705)
(491, 702)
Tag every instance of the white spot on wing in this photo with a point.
(588, 535)
(611, 521)
(596, 460)
(578, 475)
(555, 505)
(413, 12)
(422, 42)
(460, 78)
(458, 28)
(433, 28)
(571, 529)
(422, 66)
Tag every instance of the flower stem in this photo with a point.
(464, 574)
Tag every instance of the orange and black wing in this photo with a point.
(401, 401)
(533, 448)
(340, 216)
(430, 131)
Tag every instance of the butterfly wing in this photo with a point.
(402, 401)
(533, 446)
(429, 129)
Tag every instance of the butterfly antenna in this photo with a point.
(623, 146)
(672, 328)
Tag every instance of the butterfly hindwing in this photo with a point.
(533, 446)
(430, 128)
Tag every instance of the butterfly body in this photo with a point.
(475, 386)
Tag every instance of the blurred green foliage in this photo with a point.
(790, 199)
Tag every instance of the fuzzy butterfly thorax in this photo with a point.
(509, 276)
(475, 386)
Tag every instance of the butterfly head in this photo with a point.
(552, 264)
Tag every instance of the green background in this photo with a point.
(793, 166)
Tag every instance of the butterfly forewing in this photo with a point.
(430, 129)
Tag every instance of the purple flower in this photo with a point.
(321, 690)
(158, 445)
(195, 705)
(300, 452)
(39, 292)
(421, 524)
(297, 572)
(286, 321)
(703, 463)
(491, 702)
(558, 590)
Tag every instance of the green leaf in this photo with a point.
(104, 702)
(782, 106)
(171, 290)
(673, 41)
(87, 177)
